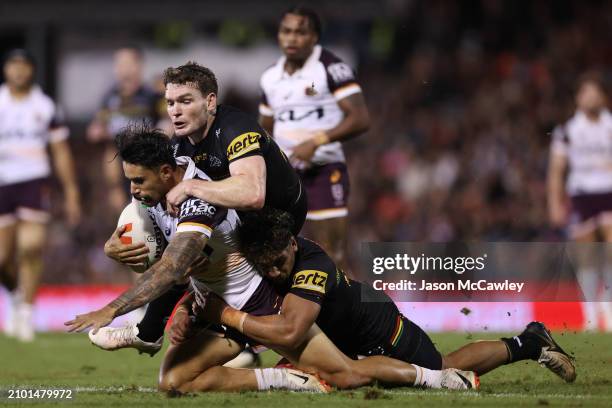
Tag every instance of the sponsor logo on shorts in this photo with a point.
(310, 280)
(335, 176)
(243, 144)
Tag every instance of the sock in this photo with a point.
(151, 327)
(426, 377)
(268, 378)
(276, 378)
(522, 347)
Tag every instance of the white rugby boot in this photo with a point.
(301, 381)
(115, 338)
(454, 379)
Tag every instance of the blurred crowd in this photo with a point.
(463, 98)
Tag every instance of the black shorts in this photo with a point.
(409, 343)
(587, 206)
(415, 347)
(328, 191)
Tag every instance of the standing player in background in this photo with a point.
(29, 122)
(127, 101)
(582, 150)
(310, 103)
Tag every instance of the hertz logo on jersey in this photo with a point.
(246, 142)
(310, 280)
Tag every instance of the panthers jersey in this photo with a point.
(587, 145)
(354, 325)
(235, 135)
(226, 273)
(307, 101)
(27, 126)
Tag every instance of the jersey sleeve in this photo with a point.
(315, 277)
(341, 78)
(243, 139)
(560, 141)
(196, 215)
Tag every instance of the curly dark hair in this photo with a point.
(264, 234)
(144, 146)
(192, 73)
(313, 18)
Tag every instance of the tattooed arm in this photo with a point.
(183, 250)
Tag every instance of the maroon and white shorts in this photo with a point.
(590, 211)
(27, 201)
(327, 188)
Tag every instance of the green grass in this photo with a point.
(124, 378)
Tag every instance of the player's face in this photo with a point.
(149, 186)
(590, 97)
(296, 37)
(18, 73)
(280, 267)
(188, 108)
(128, 70)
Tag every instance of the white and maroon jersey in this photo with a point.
(307, 101)
(26, 127)
(588, 148)
(227, 273)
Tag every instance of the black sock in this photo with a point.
(151, 327)
(522, 347)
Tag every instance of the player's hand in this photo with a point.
(127, 254)
(212, 310)
(304, 151)
(181, 328)
(176, 196)
(95, 320)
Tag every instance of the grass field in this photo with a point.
(124, 378)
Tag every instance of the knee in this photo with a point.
(169, 382)
(31, 250)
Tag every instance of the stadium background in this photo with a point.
(463, 97)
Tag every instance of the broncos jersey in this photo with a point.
(226, 273)
(307, 101)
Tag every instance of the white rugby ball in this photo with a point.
(141, 227)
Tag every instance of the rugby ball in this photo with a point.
(140, 226)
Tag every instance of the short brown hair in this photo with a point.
(192, 73)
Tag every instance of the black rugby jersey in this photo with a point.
(235, 135)
(354, 326)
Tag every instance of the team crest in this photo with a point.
(311, 91)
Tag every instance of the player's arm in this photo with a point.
(356, 120)
(63, 163)
(184, 249)
(555, 183)
(286, 329)
(266, 122)
(245, 189)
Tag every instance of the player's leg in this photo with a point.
(196, 366)
(606, 294)
(331, 235)
(318, 354)
(328, 191)
(8, 270)
(31, 237)
(583, 232)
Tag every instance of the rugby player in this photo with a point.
(29, 124)
(580, 151)
(247, 169)
(316, 291)
(311, 102)
(194, 365)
